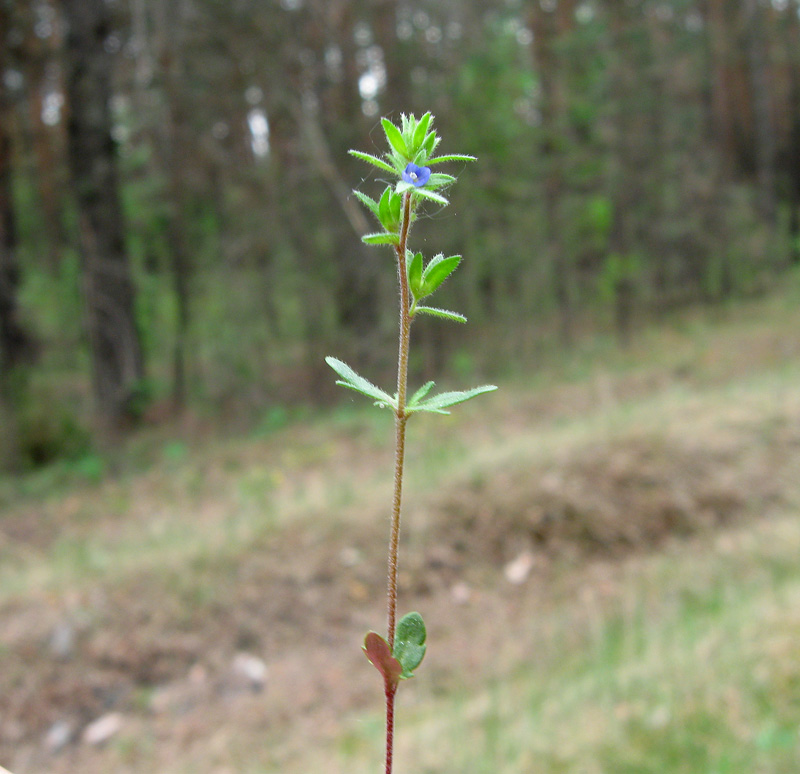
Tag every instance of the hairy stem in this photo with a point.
(401, 417)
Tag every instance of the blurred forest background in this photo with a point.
(177, 227)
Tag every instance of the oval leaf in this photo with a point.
(409, 643)
(377, 651)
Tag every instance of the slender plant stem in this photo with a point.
(401, 417)
(390, 694)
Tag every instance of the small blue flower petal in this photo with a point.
(415, 175)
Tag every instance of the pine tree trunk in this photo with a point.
(116, 352)
(15, 343)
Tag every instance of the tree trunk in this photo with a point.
(548, 27)
(171, 59)
(117, 361)
(15, 343)
(764, 131)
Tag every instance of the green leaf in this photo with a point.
(415, 275)
(420, 393)
(426, 194)
(394, 137)
(381, 239)
(443, 313)
(439, 180)
(376, 649)
(380, 163)
(354, 381)
(409, 643)
(438, 403)
(436, 272)
(395, 206)
(403, 186)
(429, 144)
(421, 131)
(451, 157)
(369, 203)
(385, 210)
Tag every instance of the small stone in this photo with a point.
(250, 669)
(518, 570)
(461, 593)
(350, 556)
(62, 641)
(101, 730)
(59, 735)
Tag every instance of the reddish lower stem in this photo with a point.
(390, 694)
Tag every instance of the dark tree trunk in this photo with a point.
(764, 134)
(549, 29)
(117, 360)
(15, 343)
(175, 143)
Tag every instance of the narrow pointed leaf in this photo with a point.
(429, 144)
(394, 137)
(354, 381)
(385, 212)
(436, 273)
(445, 314)
(451, 157)
(409, 643)
(415, 275)
(380, 163)
(439, 180)
(381, 239)
(376, 649)
(420, 393)
(421, 131)
(395, 206)
(426, 194)
(446, 399)
(369, 203)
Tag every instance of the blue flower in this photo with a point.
(418, 176)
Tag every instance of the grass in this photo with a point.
(675, 655)
(691, 664)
